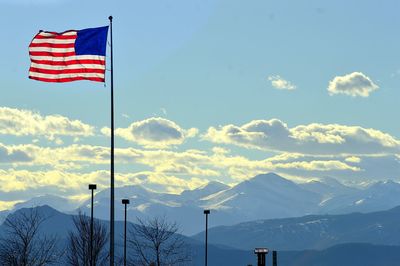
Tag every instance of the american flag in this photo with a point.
(69, 56)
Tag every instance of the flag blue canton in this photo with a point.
(91, 41)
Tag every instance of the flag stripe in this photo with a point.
(53, 41)
(53, 45)
(70, 66)
(66, 71)
(75, 78)
(52, 54)
(69, 62)
(53, 33)
(60, 36)
(70, 58)
(66, 75)
(52, 49)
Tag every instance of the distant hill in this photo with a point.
(311, 232)
(55, 223)
(349, 254)
(59, 224)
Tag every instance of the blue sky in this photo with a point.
(205, 90)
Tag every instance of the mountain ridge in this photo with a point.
(265, 196)
(311, 231)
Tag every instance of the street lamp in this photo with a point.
(261, 252)
(206, 212)
(92, 187)
(274, 258)
(125, 202)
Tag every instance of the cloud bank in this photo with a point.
(19, 122)
(311, 150)
(317, 139)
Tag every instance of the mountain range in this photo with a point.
(266, 196)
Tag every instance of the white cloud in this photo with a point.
(322, 139)
(220, 150)
(281, 84)
(201, 164)
(74, 185)
(19, 122)
(353, 159)
(106, 131)
(317, 165)
(169, 183)
(53, 181)
(354, 84)
(189, 163)
(155, 132)
(8, 205)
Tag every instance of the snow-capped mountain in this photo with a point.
(204, 191)
(265, 196)
(56, 202)
(377, 196)
(328, 187)
(186, 208)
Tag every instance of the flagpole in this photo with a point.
(112, 153)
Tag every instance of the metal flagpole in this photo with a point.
(92, 187)
(112, 154)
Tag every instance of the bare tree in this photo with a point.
(156, 242)
(78, 250)
(23, 245)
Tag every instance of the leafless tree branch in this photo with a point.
(23, 246)
(78, 250)
(156, 241)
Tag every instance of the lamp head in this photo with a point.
(261, 251)
(125, 201)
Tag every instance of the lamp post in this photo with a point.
(92, 187)
(125, 202)
(261, 252)
(206, 212)
(274, 258)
